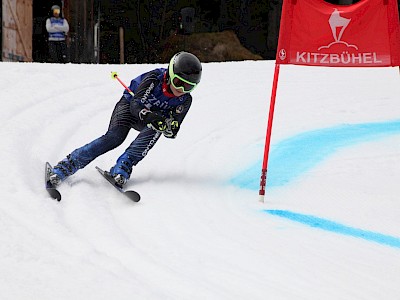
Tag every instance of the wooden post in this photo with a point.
(121, 45)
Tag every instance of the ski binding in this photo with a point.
(50, 188)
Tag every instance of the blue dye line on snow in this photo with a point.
(337, 227)
(292, 157)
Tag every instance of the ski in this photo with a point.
(53, 192)
(134, 196)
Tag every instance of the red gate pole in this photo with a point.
(263, 180)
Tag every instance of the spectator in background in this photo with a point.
(57, 27)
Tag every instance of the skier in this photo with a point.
(57, 27)
(160, 102)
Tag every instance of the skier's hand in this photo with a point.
(155, 121)
(172, 130)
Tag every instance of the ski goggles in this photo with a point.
(56, 11)
(182, 84)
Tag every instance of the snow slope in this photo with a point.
(329, 228)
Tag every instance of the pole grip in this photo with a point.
(114, 75)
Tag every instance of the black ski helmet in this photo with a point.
(185, 65)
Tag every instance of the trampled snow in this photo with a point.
(329, 227)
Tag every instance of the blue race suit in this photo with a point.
(150, 92)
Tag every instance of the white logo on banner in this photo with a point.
(282, 54)
(338, 25)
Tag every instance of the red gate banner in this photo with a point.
(317, 33)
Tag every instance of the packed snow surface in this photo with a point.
(329, 227)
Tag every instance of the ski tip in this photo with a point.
(54, 194)
(134, 196)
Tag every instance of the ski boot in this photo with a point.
(122, 170)
(62, 170)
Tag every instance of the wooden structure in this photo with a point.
(17, 30)
(24, 35)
